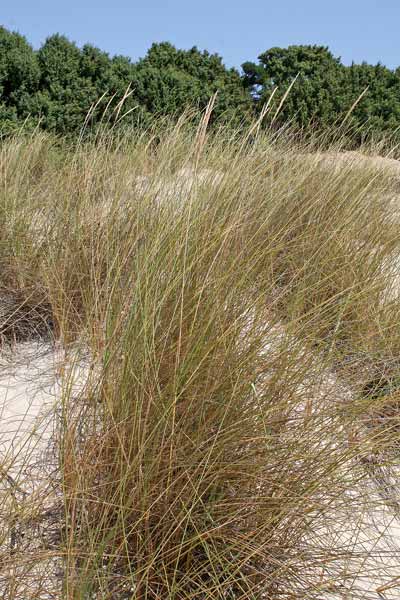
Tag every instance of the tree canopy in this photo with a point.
(318, 92)
(324, 89)
(58, 84)
(19, 77)
(168, 80)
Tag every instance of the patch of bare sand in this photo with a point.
(32, 385)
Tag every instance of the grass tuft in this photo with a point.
(235, 299)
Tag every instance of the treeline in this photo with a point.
(57, 85)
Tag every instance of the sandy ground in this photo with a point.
(32, 381)
(31, 505)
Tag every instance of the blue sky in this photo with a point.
(238, 30)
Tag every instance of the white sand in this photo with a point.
(31, 392)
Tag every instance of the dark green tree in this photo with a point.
(379, 107)
(64, 96)
(319, 92)
(58, 85)
(168, 80)
(19, 78)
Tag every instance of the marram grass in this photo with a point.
(232, 294)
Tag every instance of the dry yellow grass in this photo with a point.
(233, 299)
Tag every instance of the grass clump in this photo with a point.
(233, 300)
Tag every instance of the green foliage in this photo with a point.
(318, 93)
(169, 80)
(72, 81)
(380, 106)
(19, 77)
(324, 90)
(60, 83)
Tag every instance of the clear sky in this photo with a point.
(238, 30)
